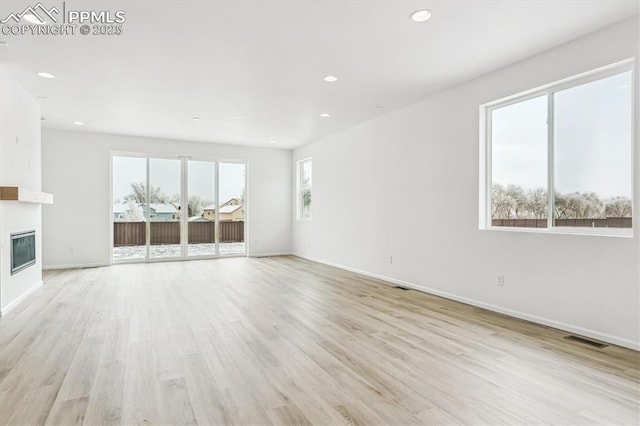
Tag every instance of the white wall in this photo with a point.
(19, 166)
(406, 184)
(76, 170)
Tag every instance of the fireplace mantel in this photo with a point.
(24, 195)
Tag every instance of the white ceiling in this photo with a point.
(252, 70)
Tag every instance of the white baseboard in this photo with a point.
(74, 266)
(499, 309)
(24, 295)
(269, 254)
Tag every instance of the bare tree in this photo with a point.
(511, 201)
(139, 194)
(593, 206)
(560, 206)
(501, 203)
(618, 207)
(579, 206)
(196, 205)
(507, 202)
(134, 212)
(518, 200)
(536, 203)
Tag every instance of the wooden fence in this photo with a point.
(232, 232)
(134, 233)
(610, 222)
(129, 234)
(202, 232)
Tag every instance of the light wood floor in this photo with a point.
(286, 341)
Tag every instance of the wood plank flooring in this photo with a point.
(286, 341)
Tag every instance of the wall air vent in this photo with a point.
(586, 341)
(401, 288)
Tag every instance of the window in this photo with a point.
(177, 207)
(304, 189)
(560, 157)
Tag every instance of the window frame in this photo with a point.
(300, 190)
(548, 90)
(184, 173)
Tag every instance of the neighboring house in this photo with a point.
(127, 213)
(209, 212)
(159, 212)
(119, 212)
(231, 211)
(233, 202)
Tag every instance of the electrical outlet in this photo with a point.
(500, 282)
(390, 259)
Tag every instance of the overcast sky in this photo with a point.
(165, 173)
(592, 140)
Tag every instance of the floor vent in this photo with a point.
(401, 288)
(586, 341)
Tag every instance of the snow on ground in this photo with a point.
(173, 250)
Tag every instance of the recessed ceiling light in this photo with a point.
(195, 118)
(78, 123)
(330, 78)
(46, 75)
(34, 19)
(272, 142)
(325, 115)
(421, 15)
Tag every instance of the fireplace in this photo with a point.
(23, 250)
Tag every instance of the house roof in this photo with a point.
(122, 208)
(237, 200)
(224, 209)
(198, 219)
(230, 209)
(163, 208)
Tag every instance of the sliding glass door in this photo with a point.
(177, 208)
(201, 211)
(129, 195)
(163, 209)
(231, 212)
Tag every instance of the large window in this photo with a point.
(304, 189)
(560, 157)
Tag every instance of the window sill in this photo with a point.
(562, 230)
